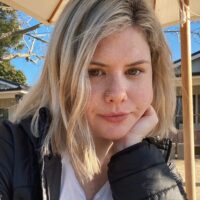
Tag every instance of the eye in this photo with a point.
(133, 72)
(95, 72)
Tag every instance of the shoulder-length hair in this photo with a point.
(64, 85)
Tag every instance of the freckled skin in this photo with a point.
(121, 83)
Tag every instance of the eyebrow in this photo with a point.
(139, 62)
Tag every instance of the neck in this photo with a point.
(104, 150)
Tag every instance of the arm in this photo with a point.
(6, 163)
(140, 172)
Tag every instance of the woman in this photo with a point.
(82, 131)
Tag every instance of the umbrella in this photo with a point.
(169, 12)
(48, 11)
(45, 11)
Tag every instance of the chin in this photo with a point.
(113, 136)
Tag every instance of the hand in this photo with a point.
(139, 130)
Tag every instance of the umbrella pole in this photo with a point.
(188, 125)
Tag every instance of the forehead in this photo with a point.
(129, 44)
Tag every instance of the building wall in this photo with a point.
(196, 65)
(6, 103)
(196, 115)
(7, 107)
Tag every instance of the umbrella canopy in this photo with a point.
(48, 11)
(45, 11)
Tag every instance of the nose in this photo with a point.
(116, 91)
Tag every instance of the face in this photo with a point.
(121, 84)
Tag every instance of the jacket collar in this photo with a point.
(50, 165)
(44, 121)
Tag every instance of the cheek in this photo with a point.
(93, 102)
(144, 96)
(147, 96)
(148, 91)
(97, 91)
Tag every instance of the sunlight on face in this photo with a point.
(121, 84)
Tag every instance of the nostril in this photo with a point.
(108, 97)
(115, 96)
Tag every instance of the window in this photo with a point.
(179, 113)
(3, 114)
(194, 109)
(198, 111)
(196, 106)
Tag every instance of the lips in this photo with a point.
(114, 117)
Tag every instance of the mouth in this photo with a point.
(115, 117)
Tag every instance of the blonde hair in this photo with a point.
(64, 86)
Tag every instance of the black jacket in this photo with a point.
(139, 172)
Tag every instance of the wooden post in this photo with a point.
(188, 124)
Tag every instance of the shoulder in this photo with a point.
(6, 132)
(12, 138)
(13, 132)
(6, 140)
(19, 133)
(19, 166)
(6, 161)
(7, 158)
(15, 140)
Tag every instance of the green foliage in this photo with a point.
(9, 23)
(8, 72)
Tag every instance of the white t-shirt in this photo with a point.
(72, 190)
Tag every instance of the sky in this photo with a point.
(32, 71)
(173, 39)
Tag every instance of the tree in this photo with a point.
(9, 23)
(17, 40)
(8, 72)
